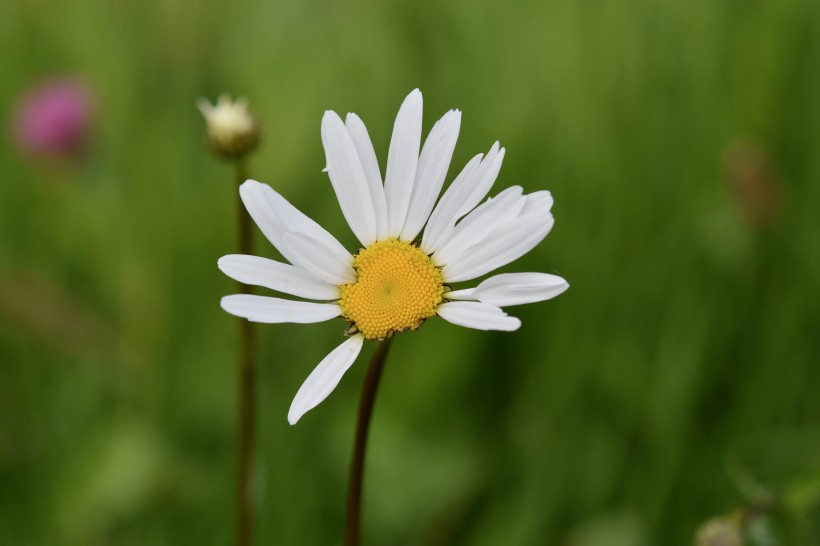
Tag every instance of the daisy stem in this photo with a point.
(354, 494)
(246, 371)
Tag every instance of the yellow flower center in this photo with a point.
(397, 287)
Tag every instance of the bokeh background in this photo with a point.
(676, 381)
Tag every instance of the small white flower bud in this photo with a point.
(719, 532)
(231, 131)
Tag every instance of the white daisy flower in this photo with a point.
(395, 281)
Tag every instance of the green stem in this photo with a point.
(354, 495)
(246, 371)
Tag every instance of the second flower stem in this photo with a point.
(246, 376)
(354, 494)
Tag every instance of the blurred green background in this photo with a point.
(677, 380)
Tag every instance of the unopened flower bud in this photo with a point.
(231, 131)
(719, 532)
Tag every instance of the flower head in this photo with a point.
(231, 130)
(54, 118)
(719, 532)
(395, 281)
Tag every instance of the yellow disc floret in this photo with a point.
(397, 287)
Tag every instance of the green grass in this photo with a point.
(689, 338)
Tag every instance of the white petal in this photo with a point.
(538, 201)
(486, 174)
(508, 243)
(443, 217)
(370, 165)
(277, 310)
(519, 288)
(205, 107)
(502, 208)
(275, 217)
(312, 255)
(324, 378)
(482, 221)
(466, 191)
(276, 276)
(254, 196)
(402, 160)
(481, 316)
(464, 294)
(432, 168)
(348, 178)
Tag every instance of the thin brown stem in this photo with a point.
(354, 494)
(246, 371)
